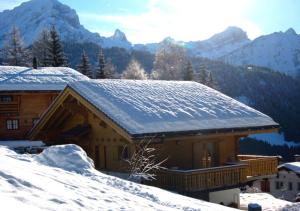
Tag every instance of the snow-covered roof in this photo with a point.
(151, 106)
(293, 166)
(45, 78)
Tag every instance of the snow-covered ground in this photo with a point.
(268, 202)
(63, 178)
(273, 139)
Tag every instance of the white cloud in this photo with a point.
(182, 20)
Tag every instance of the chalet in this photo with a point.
(286, 184)
(195, 127)
(25, 93)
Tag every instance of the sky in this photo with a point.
(146, 21)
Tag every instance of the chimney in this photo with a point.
(34, 63)
(297, 158)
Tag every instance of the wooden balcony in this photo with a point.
(259, 165)
(9, 108)
(248, 168)
(201, 179)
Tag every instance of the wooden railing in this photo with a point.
(200, 179)
(259, 165)
(9, 107)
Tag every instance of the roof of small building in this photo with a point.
(14, 78)
(293, 166)
(152, 106)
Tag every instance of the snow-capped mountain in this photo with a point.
(153, 47)
(219, 44)
(33, 16)
(279, 51)
(118, 39)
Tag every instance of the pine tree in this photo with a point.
(40, 48)
(211, 82)
(202, 77)
(188, 74)
(14, 53)
(84, 67)
(134, 71)
(56, 55)
(100, 70)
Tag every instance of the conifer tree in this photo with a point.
(56, 55)
(14, 53)
(100, 70)
(188, 74)
(210, 81)
(202, 77)
(40, 48)
(84, 67)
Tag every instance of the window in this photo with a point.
(290, 186)
(6, 98)
(278, 185)
(12, 124)
(298, 185)
(123, 153)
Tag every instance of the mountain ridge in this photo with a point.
(279, 51)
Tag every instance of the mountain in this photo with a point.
(153, 47)
(33, 16)
(279, 51)
(219, 44)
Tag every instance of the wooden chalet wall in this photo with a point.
(192, 153)
(103, 144)
(26, 107)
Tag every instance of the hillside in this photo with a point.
(272, 93)
(279, 51)
(63, 178)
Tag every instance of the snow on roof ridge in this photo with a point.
(294, 166)
(151, 106)
(14, 78)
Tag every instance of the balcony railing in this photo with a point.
(259, 165)
(9, 107)
(248, 168)
(201, 179)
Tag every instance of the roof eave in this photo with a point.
(171, 134)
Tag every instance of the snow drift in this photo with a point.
(63, 178)
(68, 157)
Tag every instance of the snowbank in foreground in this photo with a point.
(49, 182)
(268, 202)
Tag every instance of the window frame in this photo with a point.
(290, 184)
(6, 98)
(12, 124)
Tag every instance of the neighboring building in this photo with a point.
(195, 127)
(287, 183)
(25, 93)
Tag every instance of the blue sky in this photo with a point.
(152, 20)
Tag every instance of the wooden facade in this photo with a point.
(19, 111)
(194, 163)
